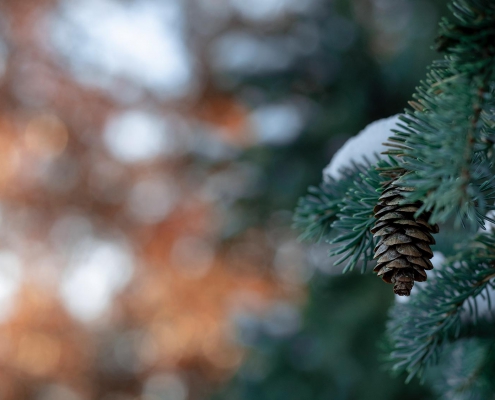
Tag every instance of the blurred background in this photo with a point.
(151, 155)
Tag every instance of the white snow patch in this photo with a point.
(364, 145)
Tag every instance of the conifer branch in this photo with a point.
(419, 329)
(467, 370)
(316, 211)
(355, 240)
(447, 138)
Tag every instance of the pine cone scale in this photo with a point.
(392, 215)
(378, 225)
(408, 209)
(397, 238)
(399, 263)
(383, 210)
(425, 248)
(386, 230)
(409, 222)
(394, 202)
(382, 249)
(390, 255)
(409, 250)
(419, 234)
(419, 261)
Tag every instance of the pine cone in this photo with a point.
(403, 251)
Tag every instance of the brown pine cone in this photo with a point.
(403, 251)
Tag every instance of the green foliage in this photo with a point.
(317, 211)
(448, 134)
(353, 223)
(420, 328)
(466, 371)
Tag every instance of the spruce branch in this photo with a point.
(448, 135)
(467, 370)
(419, 329)
(316, 211)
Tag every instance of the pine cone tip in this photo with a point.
(403, 282)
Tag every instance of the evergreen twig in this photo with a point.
(419, 329)
(356, 217)
(447, 137)
(316, 211)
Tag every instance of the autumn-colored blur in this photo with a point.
(151, 152)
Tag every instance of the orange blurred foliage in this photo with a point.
(174, 315)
